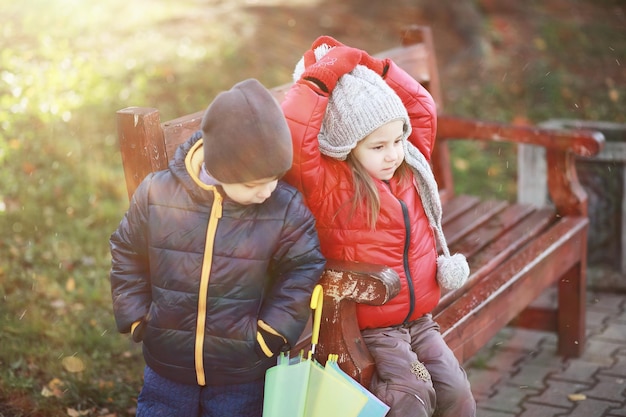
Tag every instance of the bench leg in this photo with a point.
(571, 317)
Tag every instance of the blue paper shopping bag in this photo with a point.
(301, 387)
(374, 406)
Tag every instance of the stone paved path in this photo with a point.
(519, 374)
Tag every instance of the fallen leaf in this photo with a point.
(14, 144)
(45, 391)
(106, 413)
(520, 120)
(53, 389)
(75, 413)
(577, 397)
(73, 364)
(28, 168)
(102, 384)
(70, 284)
(540, 44)
(461, 164)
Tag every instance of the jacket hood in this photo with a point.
(185, 166)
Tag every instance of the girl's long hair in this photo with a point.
(366, 198)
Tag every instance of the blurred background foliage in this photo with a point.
(66, 67)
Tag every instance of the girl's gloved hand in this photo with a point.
(379, 66)
(322, 76)
(325, 40)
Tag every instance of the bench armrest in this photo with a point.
(345, 284)
(580, 142)
(562, 147)
(362, 283)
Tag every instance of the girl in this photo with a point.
(363, 131)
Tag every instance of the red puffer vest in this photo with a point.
(403, 238)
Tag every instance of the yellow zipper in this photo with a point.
(216, 214)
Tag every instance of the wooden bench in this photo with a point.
(515, 251)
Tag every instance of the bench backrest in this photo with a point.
(147, 144)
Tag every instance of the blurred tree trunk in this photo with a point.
(465, 18)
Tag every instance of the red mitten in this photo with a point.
(326, 72)
(309, 58)
(332, 42)
(379, 66)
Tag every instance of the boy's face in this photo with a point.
(381, 152)
(253, 192)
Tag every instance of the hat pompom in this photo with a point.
(452, 271)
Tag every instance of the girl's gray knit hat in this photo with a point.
(360, 103)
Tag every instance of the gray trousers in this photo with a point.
(417, 373)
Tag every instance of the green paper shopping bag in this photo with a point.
(301, 387)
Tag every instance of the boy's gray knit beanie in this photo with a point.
(360, 103)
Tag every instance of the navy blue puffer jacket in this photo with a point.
(201, 269)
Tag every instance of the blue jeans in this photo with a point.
(162, 397)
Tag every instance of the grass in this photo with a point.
(66, 66)
(62, 195)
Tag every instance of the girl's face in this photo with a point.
(254, 192)
(381, 152)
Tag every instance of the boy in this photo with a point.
(215, 261)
